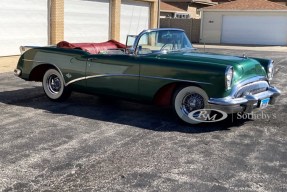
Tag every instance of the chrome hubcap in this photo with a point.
(191, 102)
(54, 84)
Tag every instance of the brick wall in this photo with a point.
(115, 19)
(56, 21)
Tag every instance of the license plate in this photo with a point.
(264, 103)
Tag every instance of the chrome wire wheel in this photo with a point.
(192, 102)
(188, 99)
(53, 85)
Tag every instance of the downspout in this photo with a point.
(201, 38)
(158, 13)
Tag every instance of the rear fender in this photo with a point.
(38, 72)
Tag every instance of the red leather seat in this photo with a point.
(93, 48)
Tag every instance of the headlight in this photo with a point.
(228, 77)
(270, 70)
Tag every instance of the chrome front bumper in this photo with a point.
(244, 104)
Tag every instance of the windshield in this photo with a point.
(163, 40)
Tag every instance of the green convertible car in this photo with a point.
(159, 66)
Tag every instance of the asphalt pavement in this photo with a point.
(89, 143)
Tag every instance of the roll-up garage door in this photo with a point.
(86, 21)
(135, 17)
(260, 30)
(22, 22)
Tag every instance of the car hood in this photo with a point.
(211, 58)
(244, 67)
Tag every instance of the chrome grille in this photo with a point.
(252, 89)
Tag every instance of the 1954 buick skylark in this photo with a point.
(158, 66)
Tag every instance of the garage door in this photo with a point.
(135, 17)
(22, 22)
(260, 30)
(86, 21)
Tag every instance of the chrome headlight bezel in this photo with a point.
(228, 77)
(270, 70)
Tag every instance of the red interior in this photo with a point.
(93, 48)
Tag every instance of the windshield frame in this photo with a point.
(137, 40)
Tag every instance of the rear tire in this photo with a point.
(54, 87)
(188, 99)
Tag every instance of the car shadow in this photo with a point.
(113, 110)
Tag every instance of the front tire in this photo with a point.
(188, 99)
(54, 87)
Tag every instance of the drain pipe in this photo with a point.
(158, 13)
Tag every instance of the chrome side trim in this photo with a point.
(75, 80)
(34, 61)
(110, 75)
(97, 76)
(172, 79)
(132, 75)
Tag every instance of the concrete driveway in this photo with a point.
(8, 64)
(99, 144)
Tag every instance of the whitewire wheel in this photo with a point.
(188, 99)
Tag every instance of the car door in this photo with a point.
(115, 75)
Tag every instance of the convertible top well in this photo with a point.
(92, 48)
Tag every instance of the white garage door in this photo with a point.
(260, 30)
(86, 21)
(135, 17)
(22, 22)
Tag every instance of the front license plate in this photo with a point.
(264, 103)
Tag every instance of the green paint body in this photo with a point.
(140, 77)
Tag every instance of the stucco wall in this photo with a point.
(192, 12)
(211, 25)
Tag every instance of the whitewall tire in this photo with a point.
(188, 99)
(53, 85)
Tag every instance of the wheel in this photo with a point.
(188, 99)
(53, 85)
